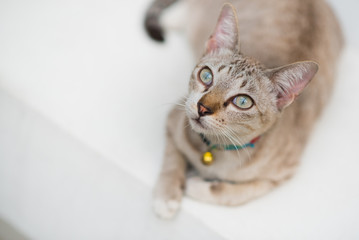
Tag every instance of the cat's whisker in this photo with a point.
(229, 138)
(225, 135)
(182, 106)
(229, 133)
(186, 126)
(238, 139)
(218, 137)
(234, 135)
(216, 132)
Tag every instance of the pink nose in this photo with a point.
(203, 110)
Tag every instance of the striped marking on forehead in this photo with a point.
(244, 83)
(221, 68)
(244, 66)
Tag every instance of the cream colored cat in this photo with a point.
(247, 131)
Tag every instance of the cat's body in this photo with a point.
(275, 33)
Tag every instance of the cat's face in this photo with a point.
(230, 94)
(233, 95)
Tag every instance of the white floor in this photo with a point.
(83, 100)
(52, 186)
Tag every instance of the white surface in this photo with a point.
(347, 11)
(88, 67)
(54, 187)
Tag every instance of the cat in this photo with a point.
(254, 96)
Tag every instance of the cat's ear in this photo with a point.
(290, 81)
(226, 33)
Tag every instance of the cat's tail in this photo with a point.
(152, 19)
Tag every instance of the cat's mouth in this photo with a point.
(197, 124)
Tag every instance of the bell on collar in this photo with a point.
(207, 158)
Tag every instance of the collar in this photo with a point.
(228, 147)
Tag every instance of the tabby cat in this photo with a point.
(253, 97)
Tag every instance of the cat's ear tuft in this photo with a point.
(290, 81)
(226, 33)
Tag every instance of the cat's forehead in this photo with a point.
(235, 65)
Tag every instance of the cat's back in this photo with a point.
(276, 32)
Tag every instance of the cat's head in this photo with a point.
(231, 94)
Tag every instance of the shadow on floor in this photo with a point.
(8, 232)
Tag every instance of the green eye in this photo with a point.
(206, 76)
(243, 101)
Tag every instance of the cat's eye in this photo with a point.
(243, 102)
(206, 76)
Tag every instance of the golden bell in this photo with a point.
(207, 158)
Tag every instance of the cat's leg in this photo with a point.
(170, 184)
(224, 193)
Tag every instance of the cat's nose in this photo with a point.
(203, 110)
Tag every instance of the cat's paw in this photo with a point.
(167, 197)
(200, 189)
(166, 208)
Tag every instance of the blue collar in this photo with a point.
(227, 147)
